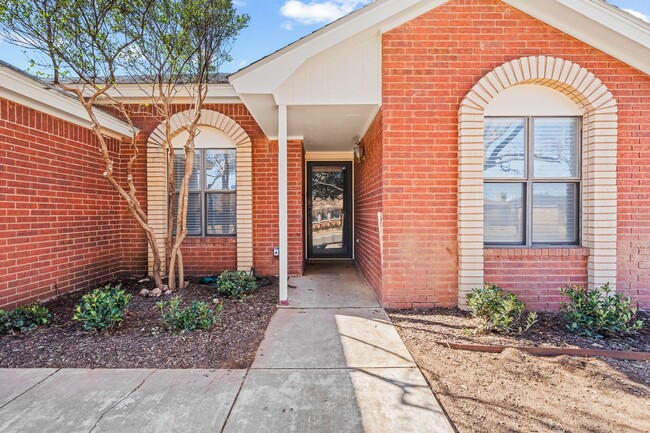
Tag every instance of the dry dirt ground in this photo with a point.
(517, 392)
(141, 341)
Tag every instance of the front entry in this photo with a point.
(329, 216)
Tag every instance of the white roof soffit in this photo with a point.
(141, 93)
(598, 24)
(269, 73)
(18, 87)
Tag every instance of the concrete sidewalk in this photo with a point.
(71, 400)
(330, 362)
(333, 362)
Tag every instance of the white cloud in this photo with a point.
(317, 12)
(638, 14)
(287, 25)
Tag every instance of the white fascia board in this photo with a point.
(592, 21)
(31, 93)
(597, 24)
(141, 93)
(267, 74)
(264, 109)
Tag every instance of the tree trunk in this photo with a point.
(181, 219)
(181, 269)
(133, 204)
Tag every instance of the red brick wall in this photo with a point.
(212, 255)
(209, 256)
(266, 208)
(297, 197)
(63, 228)
(429, 65)
(536, 274)
(60, 225)
(133, 241)
(368, 204)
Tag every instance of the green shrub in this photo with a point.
(236, 284)
(198, 315)
(30, 317)
(25, 318)
(499, 311)
(102, 308)
(5, 322)
(598, 312)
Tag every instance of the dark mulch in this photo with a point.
(141, 342)
(517, 392)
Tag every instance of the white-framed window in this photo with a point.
(532, 181)
(212, 197)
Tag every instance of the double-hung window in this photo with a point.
(212, 198)
(532, 181)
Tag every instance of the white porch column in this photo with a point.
(284, 205)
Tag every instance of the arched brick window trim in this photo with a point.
(600, 134)
(157, 180)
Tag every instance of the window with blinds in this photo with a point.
(212, 197)
(532, 181)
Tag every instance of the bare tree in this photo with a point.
(182, 48)
(84, 45)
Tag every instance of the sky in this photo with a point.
(276, 23)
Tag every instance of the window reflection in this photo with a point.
(327, 210)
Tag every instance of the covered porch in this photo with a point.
(324, 91)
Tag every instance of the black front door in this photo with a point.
(329, 204)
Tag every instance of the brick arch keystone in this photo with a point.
(599, 154)
(157, 179)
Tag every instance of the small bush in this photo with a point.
(198, 315)
(236, 284)
(26, 318)
(30, 317)
(499, 311)
(5, 322)
(598, 312)
(102, 308)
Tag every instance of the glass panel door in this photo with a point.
(329, 219)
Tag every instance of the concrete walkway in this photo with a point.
(330, 362)
(333, 362)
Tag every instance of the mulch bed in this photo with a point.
(141, 341)
(516, 391)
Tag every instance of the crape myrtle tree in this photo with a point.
(183, 45)
(79, 44)
(83, 46)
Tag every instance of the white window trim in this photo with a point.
(203, 192)
(600, 135)
(529, 180)
(157, 180)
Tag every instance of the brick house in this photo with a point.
(438, 144)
